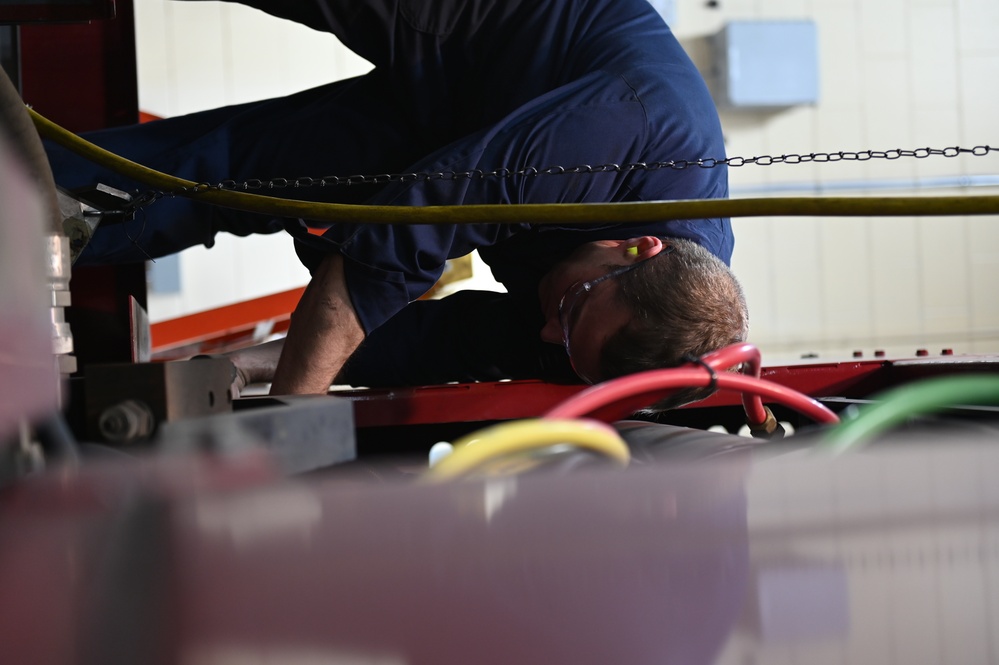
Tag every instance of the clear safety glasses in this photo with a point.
(571, 304)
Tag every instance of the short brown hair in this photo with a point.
(684, 304)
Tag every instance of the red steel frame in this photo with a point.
(470, 402)
(233, 326)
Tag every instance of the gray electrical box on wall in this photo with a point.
(766, 64)
(666, 9)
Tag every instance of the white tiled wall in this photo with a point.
(893, 74)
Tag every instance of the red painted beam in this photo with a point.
(471, 402)
(224, 326)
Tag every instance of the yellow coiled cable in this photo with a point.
(476, 450)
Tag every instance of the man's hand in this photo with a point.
(239, 379)
(324, 332)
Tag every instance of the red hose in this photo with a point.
(732, 355)
(615, 399)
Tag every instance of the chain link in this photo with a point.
(256, 184)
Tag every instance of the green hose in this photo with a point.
(544, 213)
(898, 404)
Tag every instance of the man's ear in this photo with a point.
(643, 248)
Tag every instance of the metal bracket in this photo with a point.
(83, 210)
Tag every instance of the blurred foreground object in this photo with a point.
(28, 387)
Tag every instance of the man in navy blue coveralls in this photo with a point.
(457, 85)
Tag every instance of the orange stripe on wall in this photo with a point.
(223, 321)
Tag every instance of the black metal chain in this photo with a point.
(256, 184)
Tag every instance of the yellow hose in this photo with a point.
(535, 213)
(521, 436)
